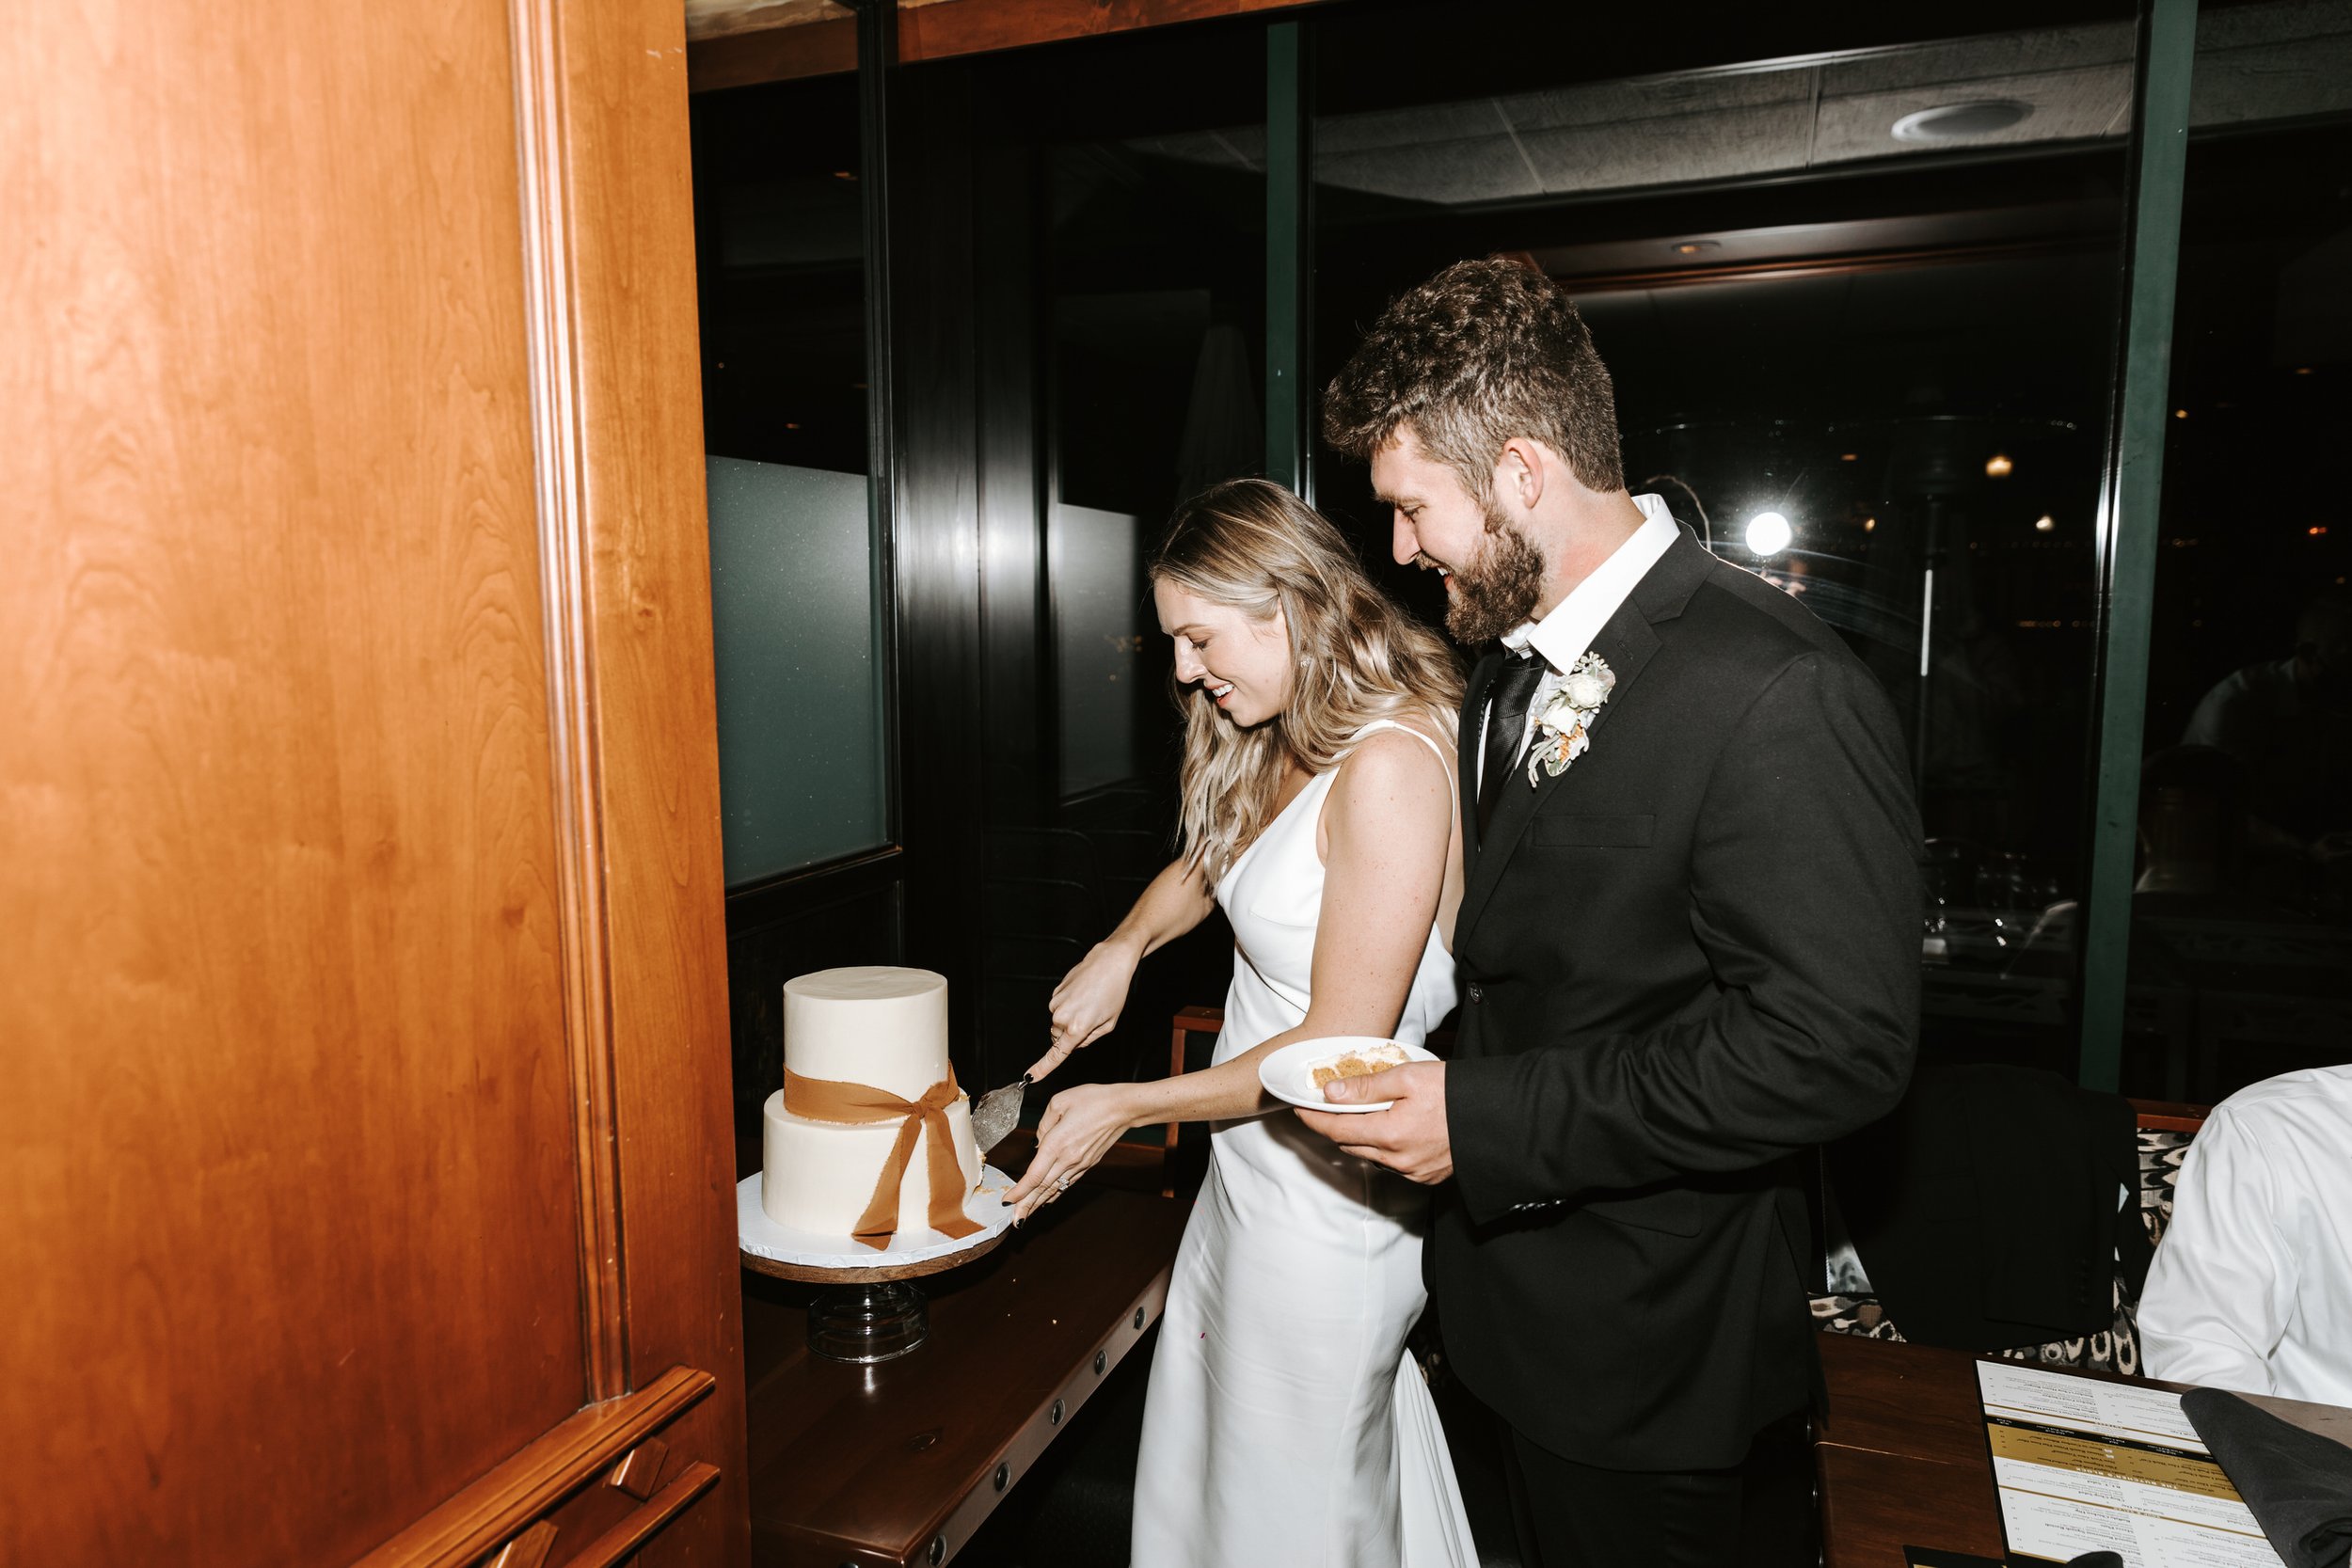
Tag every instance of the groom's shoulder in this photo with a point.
(1735, 620)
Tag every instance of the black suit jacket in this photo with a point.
(1690, 955)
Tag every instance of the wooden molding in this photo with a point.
(634, 1531)
(639, 1473)
(636, 574)
(511, 1498)
(526, 1550)
(735, 44)
(564, 546)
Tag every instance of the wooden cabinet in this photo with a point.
(364, 1147)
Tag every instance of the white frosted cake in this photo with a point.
(870, 1135)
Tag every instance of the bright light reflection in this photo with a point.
(1769, 533)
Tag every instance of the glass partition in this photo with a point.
(796, 593)
(2241, 957)
(1123, 227)
(800, 683)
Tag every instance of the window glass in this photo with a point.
(2241, 959)
(1855, 281)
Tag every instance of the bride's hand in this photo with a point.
(1086, 1004)
(1076, 1130)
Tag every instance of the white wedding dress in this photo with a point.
(1284, 1423)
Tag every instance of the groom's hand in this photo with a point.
(1409, 1137)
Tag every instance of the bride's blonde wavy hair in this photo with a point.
(1250, 545)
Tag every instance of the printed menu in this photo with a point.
(2084, 1466)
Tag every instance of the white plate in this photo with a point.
(762, 1237)
(1288, 1073)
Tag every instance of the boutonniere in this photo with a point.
(1562, 729)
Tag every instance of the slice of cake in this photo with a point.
(870, 1135)
(1362, 1062)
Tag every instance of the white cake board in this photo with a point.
(762, 1237)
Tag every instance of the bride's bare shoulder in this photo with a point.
(1409, 756)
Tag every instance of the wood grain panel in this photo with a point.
(617, 151)
(286, 1138)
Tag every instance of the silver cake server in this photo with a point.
(997, 1112)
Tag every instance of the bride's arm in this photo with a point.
(1086, 1004)
(1388, 825)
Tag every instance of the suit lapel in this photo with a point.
(1470, 735)
(1627, 642)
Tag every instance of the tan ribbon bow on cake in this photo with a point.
(826, 1099)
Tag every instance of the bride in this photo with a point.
(1285, 1421)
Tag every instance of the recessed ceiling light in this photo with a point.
(1961, 121)
(1691, 247)
(1997, 467)
(1869, 525)
(2044, 523)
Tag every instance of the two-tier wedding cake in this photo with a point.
(870, 1135)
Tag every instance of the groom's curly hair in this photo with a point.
(1484, 352)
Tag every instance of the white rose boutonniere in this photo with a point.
(1562, 728)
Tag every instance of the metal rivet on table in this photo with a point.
(1102, 1360)
(939, 1550)
(1138, 1317)
(1052, 1417)
(1003, 1474)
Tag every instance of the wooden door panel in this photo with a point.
(311, 1149)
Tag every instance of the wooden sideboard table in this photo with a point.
(899, 1463)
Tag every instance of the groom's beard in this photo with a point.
(1499, 594)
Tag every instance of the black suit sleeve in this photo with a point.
(1804, 884)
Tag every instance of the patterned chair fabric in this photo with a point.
(2114, 1349)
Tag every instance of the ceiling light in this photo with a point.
(1848, 456)
(1869, 525)
(2180, 413)
(1997, 467)
(1961, 121)
(2044, 523)
(1768, 533)
(1691, 247)
(844, 174)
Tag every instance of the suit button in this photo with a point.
(1477, 992)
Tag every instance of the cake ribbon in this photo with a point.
(828, 1100)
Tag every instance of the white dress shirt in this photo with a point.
(1561, 637)
(2251, 1289)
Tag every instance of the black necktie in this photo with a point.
(1506, 725)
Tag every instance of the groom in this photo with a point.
(1688, 943)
